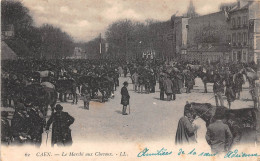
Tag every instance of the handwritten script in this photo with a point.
(163, 152)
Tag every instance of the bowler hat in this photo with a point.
(125, 83)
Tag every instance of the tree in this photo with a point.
(29, 41)
(13, 12)
(55, 43)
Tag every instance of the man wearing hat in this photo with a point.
(37, 123)
(61, 121)
(186, 131)
(168, 87)
(125, 97)
(161, 87)
(86, 94)
(218, 135)
(5, 129)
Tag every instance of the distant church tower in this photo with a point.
(191, 11)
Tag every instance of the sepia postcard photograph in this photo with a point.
(130, 80)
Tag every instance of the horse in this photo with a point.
(37, 95)
(11, 91)
(251, 76)
(242, 122)
(64, 87)
(206, 78)
(104, 84)
(194, 68)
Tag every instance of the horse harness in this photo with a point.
(200, 116)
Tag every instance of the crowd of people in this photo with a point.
(58, 79)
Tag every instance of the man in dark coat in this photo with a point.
(86, 94)
(218, 89)
(229, 93)
(218, 135)
(238, 83)
(161, 87)
(20, 125)
(61, 133)
(168, 87)
(37, 122)
(125, 71)
(125, 98)
(189, 81)
(185, 133)
(5, 129)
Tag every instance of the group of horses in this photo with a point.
(242, 122)
(44, 88)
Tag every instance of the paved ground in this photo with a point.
(152, 124)
(150, 120)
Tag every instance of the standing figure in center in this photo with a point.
(86, 94)
(125, 97)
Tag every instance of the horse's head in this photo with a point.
(201, 110)
(188, 111)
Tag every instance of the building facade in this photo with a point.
(244, 27)
(207, 38)
(254, 30)
(239, 34)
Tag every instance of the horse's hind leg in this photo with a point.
(75, 98)
(205, 87)
(238, 95)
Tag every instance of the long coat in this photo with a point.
(189, 80)
(61, 132)
(219, 136)
(185, 133)
(37, 124)
(20, 124)
(168, 86)
(86, 94)
(135, 78)
(125, 96)
(238, 82)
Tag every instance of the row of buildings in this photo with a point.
(230, 35)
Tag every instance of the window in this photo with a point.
(244, 20)
(244, 55)
(238, 37)
(234, 56)
(233, 37)
(233, 22)
(245, 37)
(228, 38)
(238, 21)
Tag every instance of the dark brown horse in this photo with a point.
(37, 95)
(242, 122)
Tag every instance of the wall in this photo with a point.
(211, 28)
(254, 15)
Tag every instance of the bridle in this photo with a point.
(199, 116)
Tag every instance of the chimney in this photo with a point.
(238, 3)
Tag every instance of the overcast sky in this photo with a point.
(85, 19)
